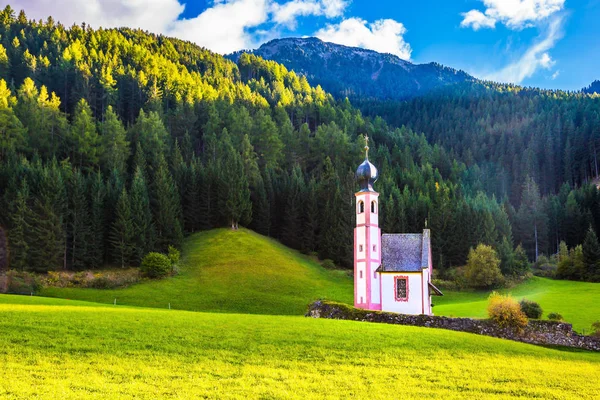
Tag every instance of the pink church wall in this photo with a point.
(367, 234)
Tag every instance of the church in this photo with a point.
(392, 272)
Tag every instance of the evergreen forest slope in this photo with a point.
(122, 353)
(231, 271)
(117, 142)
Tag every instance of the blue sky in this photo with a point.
(542, 43)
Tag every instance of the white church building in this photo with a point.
(392, 272)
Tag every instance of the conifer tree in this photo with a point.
(591, 255)
(311, 217)
(79, 223)
(261, 209)
(142, 227)
(291, 233)
(97, 221)
(19, 235)
(238, 207)
(83, 138)
(115, 148)
(167, 207)
(121, 233)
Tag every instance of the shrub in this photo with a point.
(22, 282)
(555, 317)
(506, 312)
(174, 255)
(327, 263)
(483, 268)
(531, 309)
(155, 265)
(596, 329)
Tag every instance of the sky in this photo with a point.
(552, 44)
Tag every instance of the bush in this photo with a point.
(155, 265)
(327, 263)
(506, 312)
(555, 317)
(596, 329)
(531, 309)
(483, 268)
(174, 255)
(19, 282)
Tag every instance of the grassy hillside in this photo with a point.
(231, 271)
(577, 302)
(121, 352)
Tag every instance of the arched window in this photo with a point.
(373, 207)
(361, 207)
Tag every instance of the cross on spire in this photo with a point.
(366, 146)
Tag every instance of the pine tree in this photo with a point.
(83, 139)
(291, 233)
(142, 227)
(97, 222)
(121, 233)
(167, 208)
(238, 207)
(261, 209)
(115, 148)
(19, 235)
(310, 217)
(79, 223)
(591, 255)
(191, 198)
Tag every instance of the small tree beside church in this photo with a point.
(483, 267)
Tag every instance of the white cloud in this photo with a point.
(477, 20)
(515, 14)
(546, 61)
(384, 35)
(223, 27)
(106, 13)
(534, 58)
(287, 13)
(555, 74)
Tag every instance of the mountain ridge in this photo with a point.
(355, 72)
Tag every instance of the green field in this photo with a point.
(231, 271)
(577, 302)
(243, 272)
(52, 348)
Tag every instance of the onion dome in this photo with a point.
(366, 173)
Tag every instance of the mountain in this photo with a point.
(355, 72)
(593, 88)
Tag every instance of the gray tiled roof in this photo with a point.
(405, 252)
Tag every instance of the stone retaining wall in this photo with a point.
(537, 331)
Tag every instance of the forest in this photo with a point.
(117, 142)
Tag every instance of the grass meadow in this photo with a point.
(243, 272)
(53, 348)
(577, 302)
(231, 271)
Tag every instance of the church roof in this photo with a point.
(405, 252)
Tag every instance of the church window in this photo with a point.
(361, 207)
(360, 247)
(401, 288)
(360, 274)
(374, 247)
(374, 274)
(373, 207)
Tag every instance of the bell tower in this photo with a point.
(367, 238)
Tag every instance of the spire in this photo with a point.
(366, 174)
